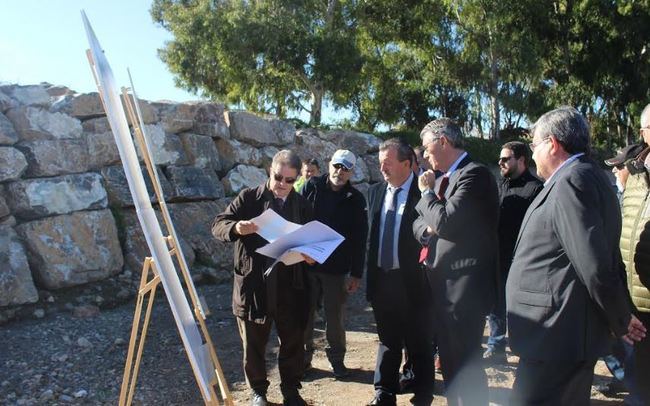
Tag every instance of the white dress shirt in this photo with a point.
(399, 210)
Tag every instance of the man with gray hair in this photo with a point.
(565, 294)
(282, 297)
(458, 216)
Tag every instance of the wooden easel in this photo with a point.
(150, 278)
(148, 287)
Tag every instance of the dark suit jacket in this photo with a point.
(463, 254)
(249, 298)
(408, 248)
(566, 292)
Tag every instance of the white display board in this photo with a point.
(197, 351)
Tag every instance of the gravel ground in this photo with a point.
(78, 357)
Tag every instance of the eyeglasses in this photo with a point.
(505, 159)
(280, 178)
(534, 145)
(643, 128)
(341, 167)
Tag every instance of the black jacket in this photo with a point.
(515, 195)
(345, 212)
(464, 259)
(249, 296)
(408, 248)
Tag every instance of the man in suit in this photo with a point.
(565, 294)
(460, 216)
(396, 286)
(280, 298)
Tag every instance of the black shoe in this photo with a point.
(383, 399)
(259, 399)
(495, 357)
(340, 370)
(407, 386)
(612, 389)
(294, 400)
(421, 400)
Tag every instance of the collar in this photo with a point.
(520, 180)
(268, 193)
(404, 186)
(457, 162)
(565, 163)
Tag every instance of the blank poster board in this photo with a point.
(197, 352)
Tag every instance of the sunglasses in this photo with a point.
(280, 178)
(504, 159)
(341, 167)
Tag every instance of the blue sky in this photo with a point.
(44, 41)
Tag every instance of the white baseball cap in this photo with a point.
(345, 158)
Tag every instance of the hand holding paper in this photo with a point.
(290, 243)
(271, 225)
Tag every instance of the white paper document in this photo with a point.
(287, 240)
(271, 225)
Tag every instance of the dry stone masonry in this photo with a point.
(66, 213)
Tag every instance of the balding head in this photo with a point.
(645, 117)
(645, 124)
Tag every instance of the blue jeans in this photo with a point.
(629, 378)
(497, 340)
(621, 365)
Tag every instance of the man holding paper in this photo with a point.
(342, 207)
(282, 296)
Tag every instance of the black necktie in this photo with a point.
(278, 205)
(389, 232)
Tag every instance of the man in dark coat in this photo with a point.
(342, 207)
(397, 287)
(517, 190)
(460, 218)
(282, 297)
(566, 297)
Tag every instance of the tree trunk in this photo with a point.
(494, 97)
(493, 88)
(479, 113)
(316, 106)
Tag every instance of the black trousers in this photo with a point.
(459, 348)
(288, 316)
(553, 383)
(403, 316)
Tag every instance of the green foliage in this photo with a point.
(412, 137)
(482, 150)
(272, 56)
(493, 66)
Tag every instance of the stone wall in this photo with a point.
(66, 214)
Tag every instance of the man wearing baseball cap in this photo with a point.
(342, 207)
(618, 165)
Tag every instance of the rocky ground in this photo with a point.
(77, 357)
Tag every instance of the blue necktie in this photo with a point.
(389, 232)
